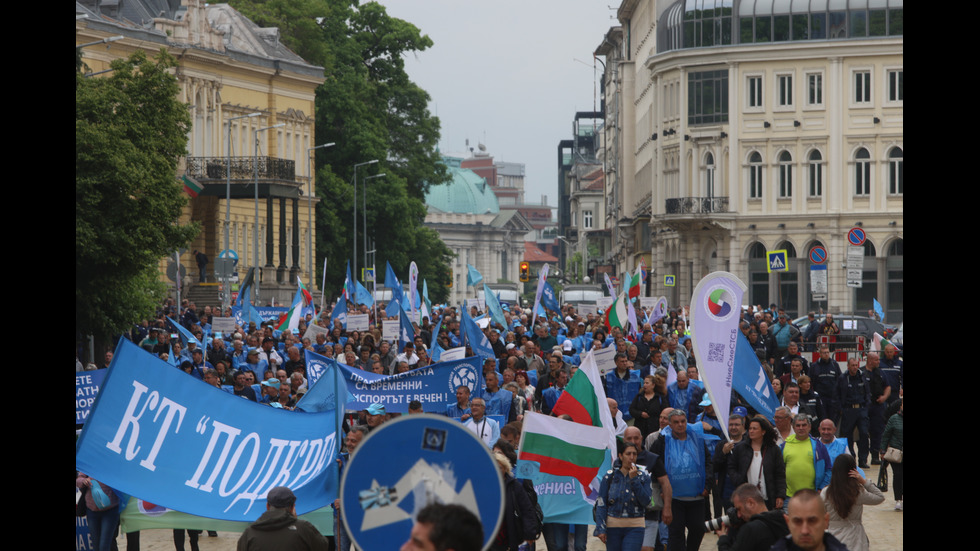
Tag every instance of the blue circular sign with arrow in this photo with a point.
(408, 463)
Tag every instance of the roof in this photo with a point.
(533, 254)
(465, 193)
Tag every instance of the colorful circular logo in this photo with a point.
(721, 303)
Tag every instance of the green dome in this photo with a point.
(466, 193)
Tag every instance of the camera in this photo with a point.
(730, 518)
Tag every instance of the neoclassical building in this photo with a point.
(737, 127)
(240, 83)
(468, 218)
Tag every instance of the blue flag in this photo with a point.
(407, 331)
(391, 280)
(363, 295)
(176, 442)
(185, 335)
(879, 311)
(477, 340)
(323, 397)
(339, 313)
(548, 298)
(493, 304)
(749, 379)
(350, 291)
(472, 276)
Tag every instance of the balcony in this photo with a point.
(242, 168)
(697, 205)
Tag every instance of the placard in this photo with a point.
(358, 322)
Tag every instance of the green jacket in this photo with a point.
(894, 432)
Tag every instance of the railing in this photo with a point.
(242, 168)
(697, 205)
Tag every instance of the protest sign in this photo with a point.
(313, 330)
(453, 354)
(178, 442)
(87, 385)
(605, 359)
(358, 322)
(223, 325)
(389, 330)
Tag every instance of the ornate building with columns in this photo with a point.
(737, 127)
(229, 69)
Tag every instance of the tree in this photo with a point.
(371, 109)
(130, 130)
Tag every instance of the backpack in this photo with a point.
(532, 496)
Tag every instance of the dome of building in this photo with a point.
(466, 193)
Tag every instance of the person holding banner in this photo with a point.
(621, 505)
(279, 527)
(101, 511)
(483, 427)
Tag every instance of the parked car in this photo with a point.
(852, 326)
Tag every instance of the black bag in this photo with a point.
(532, 496)
(80, 508)
(882, 483)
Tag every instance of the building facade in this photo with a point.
(229, 69)
(759, 125)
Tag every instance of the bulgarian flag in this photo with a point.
(302, 299)
(634, 285)
(564, 448)
(616, 315)
(583, 396)
(191, 186)
(878, 343)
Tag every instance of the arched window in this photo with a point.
(896, 171)
(755, 175)
(785, 175)
(862, 172)
(815, 173)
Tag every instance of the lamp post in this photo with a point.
(255, 178)
(364, 216)
(354, 228)
(226, 296)
(309, 203)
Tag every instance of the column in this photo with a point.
(294, 269)
(281, 270)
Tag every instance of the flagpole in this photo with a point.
(323, 283)
(374, 292)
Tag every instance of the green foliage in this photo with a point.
(130, 130)
(371, 109)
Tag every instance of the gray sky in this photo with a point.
(509, 74)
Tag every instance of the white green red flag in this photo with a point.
(563, 448)
(634, 285)
(191, 186)
(616, 314)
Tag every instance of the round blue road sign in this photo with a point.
(856, 236)
(818, 254)
(408, 463)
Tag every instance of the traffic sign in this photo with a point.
(818, 279)
(669, 280)
(856, 236)
(818, 254)
(439, 460)
(776, 261)
(367, 274)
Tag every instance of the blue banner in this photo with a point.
(475, 337)
(87, 385)
(749, 379)
(266, 312)
(182, 444)
(435, 385)
(548, 298)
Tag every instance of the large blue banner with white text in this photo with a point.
(175, 441)
(86, 389)
(267, 313)
(750, 380)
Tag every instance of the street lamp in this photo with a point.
(105, 40)
(255, 178)
(364, 217)
(354, 229)
(226, 296)
(309, 196)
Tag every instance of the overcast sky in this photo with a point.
(509, 74)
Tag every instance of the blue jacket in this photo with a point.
(623, 391)
(621, 497)
(821, 463)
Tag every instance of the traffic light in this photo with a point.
(525, 272)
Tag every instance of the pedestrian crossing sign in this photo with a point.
(669, 281)
(776, 261)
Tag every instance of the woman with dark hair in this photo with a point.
(758, 460)
(845, 498)
(621, 505)
(647, 405)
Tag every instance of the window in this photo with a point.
(755, 175)
(785, 175)
(755, 92)
(814, 96)
(862, 87)
(896, 86)
(815, 173)
(784, 90)
(709, 175)
(862, 172)
(707, 100)
(587, 219)
(896, 171)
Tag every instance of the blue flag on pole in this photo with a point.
(176, 442)
(548, 298)
(749, 379)
(185, 335)
(407, 331)
(473, 276)
(493, 305)
(879, 311)
(391, 280)
(363, 295)
(474, 336)
(339, 312)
